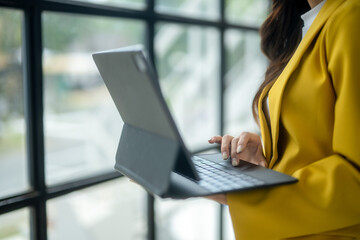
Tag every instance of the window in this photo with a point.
(13, 164)
(81, 121)
(15, 225)
(245, 70)
(99, 212)
(206, 9)
(246, 12)
(188, 66)
(59, 127)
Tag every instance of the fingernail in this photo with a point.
(239, 149)
(234, 162)
(225, 156)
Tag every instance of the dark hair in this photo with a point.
(280, 35)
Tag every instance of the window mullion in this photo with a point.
(150, 35)
(221, 98)
(34, 117)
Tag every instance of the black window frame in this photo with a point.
(36, 198)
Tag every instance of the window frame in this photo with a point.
(35, 199)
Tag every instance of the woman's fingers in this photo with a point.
(246, 137)
(250, 156)
(215, 139)
(239, 144)
(225, 143)
(225, 146)
(249, 148)
(234, 156)
(246, 147)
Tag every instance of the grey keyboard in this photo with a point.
(215, 178)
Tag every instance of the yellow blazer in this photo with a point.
(314, 136)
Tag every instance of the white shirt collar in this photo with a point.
(310, 16)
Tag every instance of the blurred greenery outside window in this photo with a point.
(188, 66)
(82, 125)
(15, 225)
(190, 219)
(109, 211)
(137, 4)
(246, 12)
(245, 70)
(207, 9)
(13, 161)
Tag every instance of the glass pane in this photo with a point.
(188, 65)
(82, 125)
(13, 163)
(187, 219)
(191, 8)
(251, 12)
(109, 211)
(118, 3)
(15, 225)
(246, 66)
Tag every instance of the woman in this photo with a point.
(308, 109)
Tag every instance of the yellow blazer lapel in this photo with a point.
(277, 90)
(265, 129)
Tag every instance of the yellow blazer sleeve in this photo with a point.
(344, 68)
(327, 196)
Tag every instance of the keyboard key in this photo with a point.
(215, 178)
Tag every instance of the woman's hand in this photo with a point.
(246, 147)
